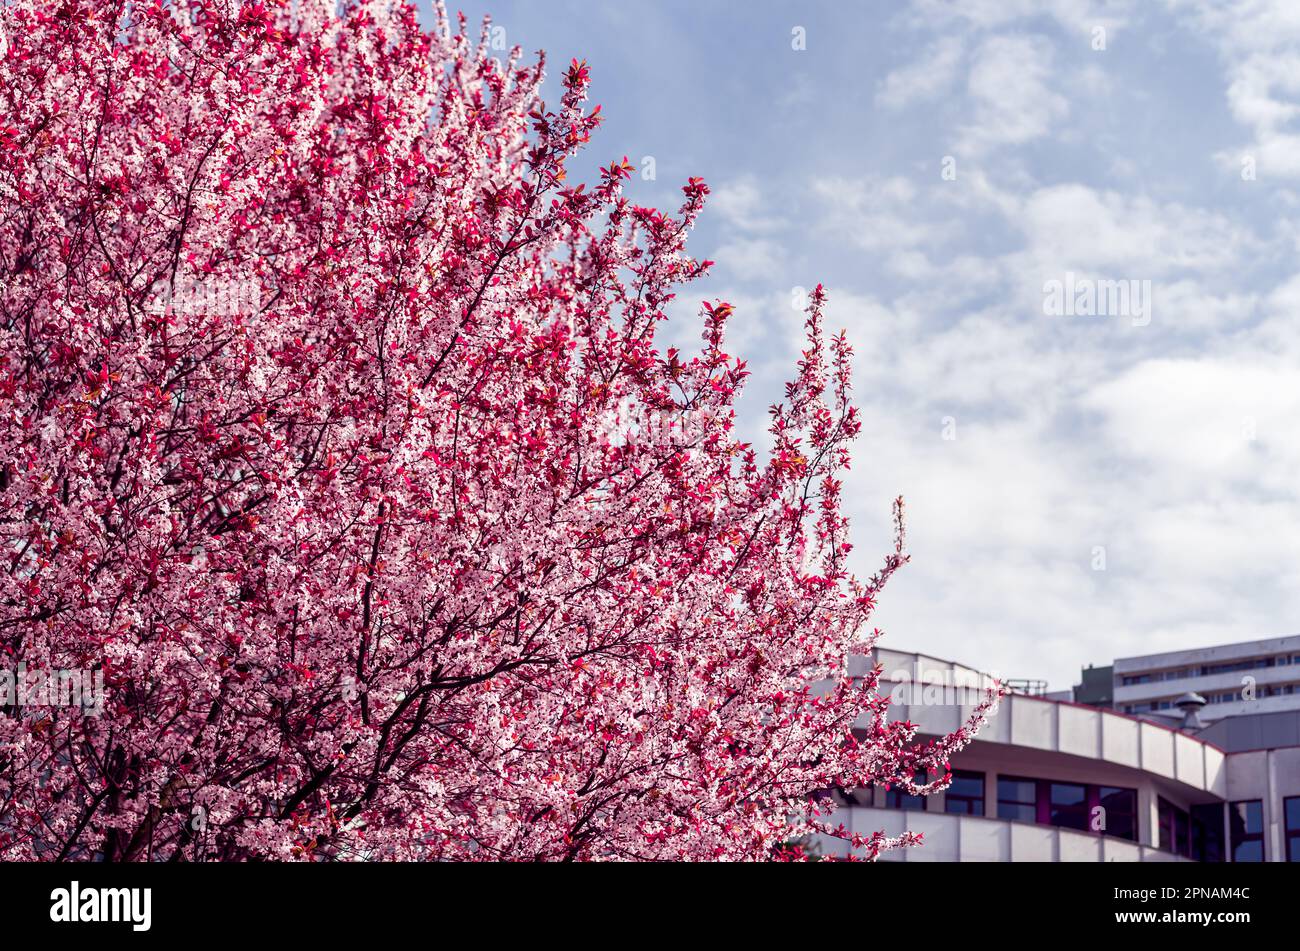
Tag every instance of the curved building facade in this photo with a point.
(1050, 780)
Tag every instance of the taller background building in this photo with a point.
(1235, 679)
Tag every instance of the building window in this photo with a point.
(1120, 816)
(1291, 819)
(1207, 832)
(1233, 666)
(1068, 805)
(1246, 828)
(846, 797)
(1017, 799)
(1175, 828)
(1109, 810)
(898, 798)
(965, 794)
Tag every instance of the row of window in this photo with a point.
(1106, 810)
(1205, 670)
(1148, 707)
(1112, 810)
(1198, 833)
(1222, 696)
(965, 794)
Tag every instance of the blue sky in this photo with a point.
(1109, 486)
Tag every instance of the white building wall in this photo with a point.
(1284, 650)
(1051, 740)
(953, 838)
(1120, 741)
(1079, 731)
(1156, 745)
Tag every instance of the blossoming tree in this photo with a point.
(420, 548)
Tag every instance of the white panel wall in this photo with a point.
(1119, 740)
(935, 719)
(951, 838)
(896, 662)
(1117, 850)
(1286, 772)
(1075, 847)
(1032, 843)
(1033, 722)
(1157, 749)
(1248, 775)
(984, 840)
(1079, 730)
(997, 729)
(867, 821)
(1189, 761)
(941, 838)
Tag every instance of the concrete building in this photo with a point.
(1096, 687)
(1260, 676)
(1053, 780)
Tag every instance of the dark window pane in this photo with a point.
(1175, 832)
(1068, 794)
(1121, 826)
(1120, 815)
(1291, 814)
(1249, 816)
(898, 798)
(1016, 790)
(1118, 800)
(965, 794)
(1207, 832)
(968, 785)
(1246, 828)
(1070, 818)
(1249, 851)
(1017, 799)
(1016, 811)
(1068, 805)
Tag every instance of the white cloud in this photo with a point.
(1081, 228)
(1224, 418)
(744, 205)
(751, 258)
(1077, 16)
(1010, 88)
(1259, 44)
(924, 79)
(875, 213)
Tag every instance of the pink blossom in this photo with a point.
(367, 570)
